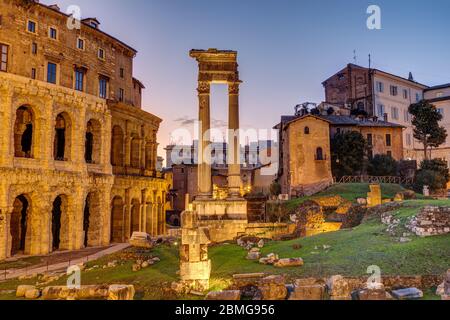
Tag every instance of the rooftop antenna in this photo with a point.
(370, 61)
(354, 56)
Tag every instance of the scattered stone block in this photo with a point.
(273, 288)
(32, 294)
(253, 255)
(261, 244)
(338, 288)
(121, 292)
(22, 289)
(407, 294)
(226, 295)
(370, 294)
(308, 289)
(141, 240)
(289, 263)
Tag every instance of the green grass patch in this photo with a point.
(350, 192)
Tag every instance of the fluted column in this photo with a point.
(204, 158)
(234, 166)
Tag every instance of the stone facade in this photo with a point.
(305, 156)
(77, 168)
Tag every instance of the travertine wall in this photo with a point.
(76, 169)
(40, 179)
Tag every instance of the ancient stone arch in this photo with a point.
(135, 151)
(93, 139)
(18, 225)
(24, 132)
(135, 216)
(62, 145)
(218, 66)
(60, 223)
(92, 220)
(117, 220)
(117, 146)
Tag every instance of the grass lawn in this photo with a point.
(351, 252)
(351, 192)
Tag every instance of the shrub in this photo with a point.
(275, 189)
(383, 165)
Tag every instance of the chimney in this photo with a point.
(410, 77)
(54, 7)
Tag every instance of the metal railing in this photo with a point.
(373, 179)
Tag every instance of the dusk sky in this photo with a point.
(285, 48)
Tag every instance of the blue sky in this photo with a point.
(286, 48)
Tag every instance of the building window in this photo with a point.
(380, 110)
(405, 94)
(439, 95)
(121, 95)
(79, 79)
(122, 73)
(31, 26)
(380, 86)
(33, 73)
(369, 140)
(51, 72)
(307, 130)
(394, 113)
(394, 91)
(4, 57)
(388, 140)
(418, 97)
(103, 87)
(34, 48)
(101, 54)
(319, 154)
(52, 33)
(80, 44)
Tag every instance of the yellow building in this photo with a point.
(305, 165)
(305, 148)
(78, 154)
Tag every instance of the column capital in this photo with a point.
(204, 87)
(233, 87)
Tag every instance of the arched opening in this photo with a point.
(148, 156)
(307, 131)
(62, 137)
(135, 158)
(319, 154)
(59, 223)
(92, 143)
(117, 220)
(18, 225)
(91, 220)
(117, 144)
(135, 208)
(23, 133)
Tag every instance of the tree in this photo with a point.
(275, 189)
(383, 165)
(426, 126)
(433, 173)
(347, 153)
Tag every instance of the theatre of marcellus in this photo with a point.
(77, 152)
